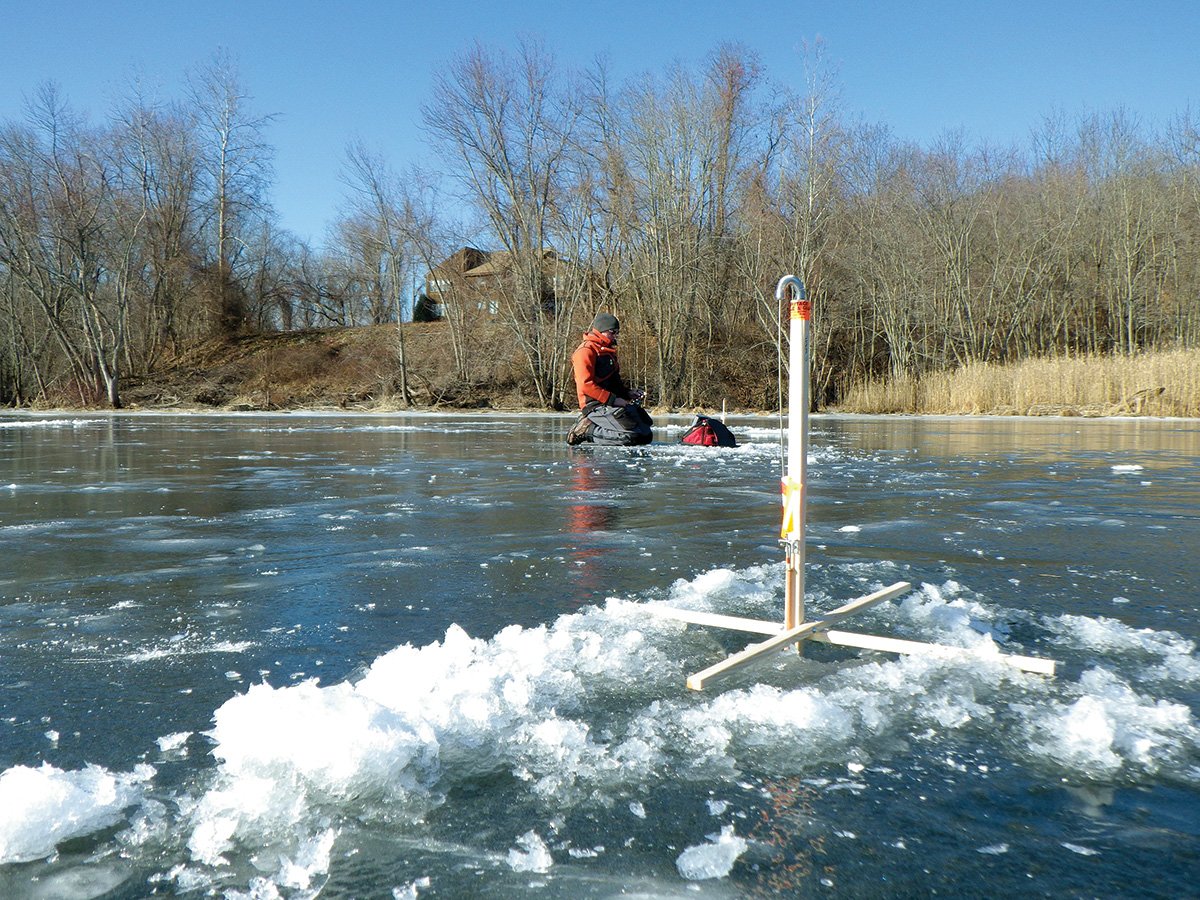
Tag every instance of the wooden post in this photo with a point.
(795, 479)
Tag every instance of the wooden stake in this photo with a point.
(937, 651)
(715, 620)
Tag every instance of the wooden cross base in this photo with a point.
(821, 630)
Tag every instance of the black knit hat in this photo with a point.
(605, 322)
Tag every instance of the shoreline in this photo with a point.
(353, 371)
(515, 412)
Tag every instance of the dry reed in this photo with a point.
(1150, 384)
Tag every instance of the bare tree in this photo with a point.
(156, 159)
(1182, 143)
(70, 239)
(504, 124)
(433, 239)
(675, 157)
(380, 199)
(805, 163)
(236, 163)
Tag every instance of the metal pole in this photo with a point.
(795, 479)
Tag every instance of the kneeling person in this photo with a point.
(609, 411)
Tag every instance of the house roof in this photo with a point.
(500, 262)
(459, 262)
(470, 262)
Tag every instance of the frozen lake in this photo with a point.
(398, 656)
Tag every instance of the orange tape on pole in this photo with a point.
(791, 505)
(801, 309)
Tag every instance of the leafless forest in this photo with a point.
(675, 199)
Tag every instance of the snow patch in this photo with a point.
(714, 859)
(531, 854)
(40, 808)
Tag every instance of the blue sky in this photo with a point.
(344, 70)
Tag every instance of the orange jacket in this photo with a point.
(597, 375)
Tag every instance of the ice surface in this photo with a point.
(552, 732)
(947, 614)
(721, 588)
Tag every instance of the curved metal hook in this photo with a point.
(795, 283)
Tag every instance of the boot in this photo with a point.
(580, 432)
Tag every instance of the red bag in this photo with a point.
(708, 432)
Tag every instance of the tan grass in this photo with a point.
(1150, 384)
